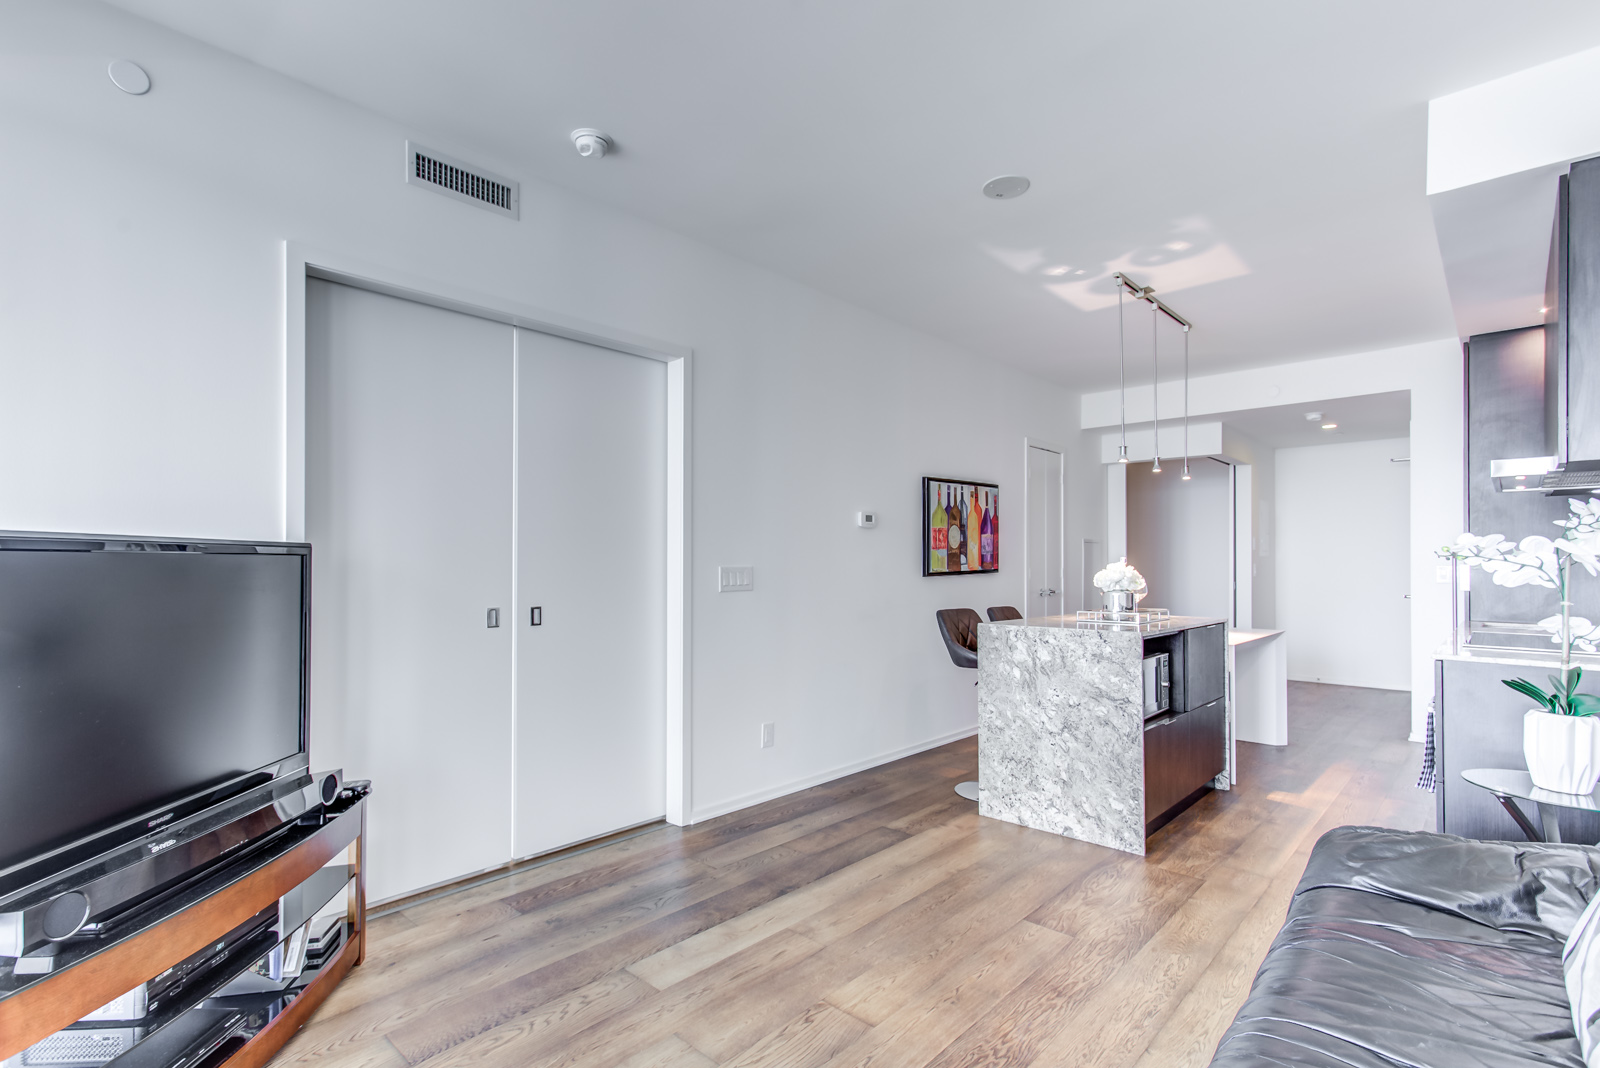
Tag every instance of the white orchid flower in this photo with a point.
(1585, 551)
(1585, 634)
(1473, 545)
(1583, 517)
(1532, 563)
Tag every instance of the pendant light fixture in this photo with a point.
(1155, 388)
(1185, 402)
(1122, 380)
(1157, 309)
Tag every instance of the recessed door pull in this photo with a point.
(535, 616)
(494, 617)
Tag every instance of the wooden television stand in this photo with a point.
(226, 1010)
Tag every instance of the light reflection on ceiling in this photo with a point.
(1189, 255)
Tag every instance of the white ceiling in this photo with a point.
(1373, 417)
(843, 143)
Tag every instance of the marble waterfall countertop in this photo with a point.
(1061, 725)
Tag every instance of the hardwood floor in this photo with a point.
(876, 920)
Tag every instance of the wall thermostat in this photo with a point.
(866, 519)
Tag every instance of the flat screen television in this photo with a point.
(141, 682)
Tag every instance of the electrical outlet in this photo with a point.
(768, 731)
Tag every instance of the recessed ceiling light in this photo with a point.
(1543, 310)
(1330, 426)
(1313, 417)
(1057, 272)
(128, 76)
(1006, 187)
(1178, 246)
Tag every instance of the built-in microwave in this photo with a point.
(1157, 684)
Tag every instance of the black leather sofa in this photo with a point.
(1422, 950)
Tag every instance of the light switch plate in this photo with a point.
(736, 579)
(867, 519)
(768, 735)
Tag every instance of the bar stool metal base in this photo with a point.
(968, 790)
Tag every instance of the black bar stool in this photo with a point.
(959, 629)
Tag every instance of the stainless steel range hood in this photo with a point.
(1571, 465)
(1526, 474)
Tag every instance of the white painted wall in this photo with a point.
(1180, 535)
(1343, 521)
(1514, 123)
(1431, 372)
(141, 319)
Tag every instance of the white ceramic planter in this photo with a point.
(1563, 752)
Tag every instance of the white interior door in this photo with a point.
(409, 511)
(1046, 578)
(591, 556)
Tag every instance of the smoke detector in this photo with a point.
(591, 144)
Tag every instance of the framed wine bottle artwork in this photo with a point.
(960, 527)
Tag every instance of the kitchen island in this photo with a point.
(1064, 741)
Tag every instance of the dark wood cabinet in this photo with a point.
(1183, 753)
(1205, 666)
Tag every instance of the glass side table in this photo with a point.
(1510, 786)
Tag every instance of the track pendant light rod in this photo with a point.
(1124, 283)
(1122, 379)
(1186, 402)
(1155, 389)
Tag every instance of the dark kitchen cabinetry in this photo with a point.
(1183, 752)
(1185, 748)
(1205, 666)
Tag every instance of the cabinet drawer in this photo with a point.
(1182, 753)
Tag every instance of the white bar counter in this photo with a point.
(1258, 665)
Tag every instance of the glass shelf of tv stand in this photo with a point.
(232, 996)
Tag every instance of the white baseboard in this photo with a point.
(722, 808)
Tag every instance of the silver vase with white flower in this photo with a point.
(1122, 586)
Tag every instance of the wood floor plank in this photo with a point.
(480, 1010)
(896, 869)
(374, 1052)
(822, 819)
(548, 1026)
(808, 1041)
(1189, 1037)
(1108, 917)
(1125, 1013)
(637, 1027)
(906, 947)
(902, 971)
(920, 1029)
(670, 1052)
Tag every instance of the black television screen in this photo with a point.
(132, 680)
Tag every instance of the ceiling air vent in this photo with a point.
(450, 176)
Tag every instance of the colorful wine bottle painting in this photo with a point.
(960, 527)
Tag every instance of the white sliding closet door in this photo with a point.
(409, 448)
(591, 554)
